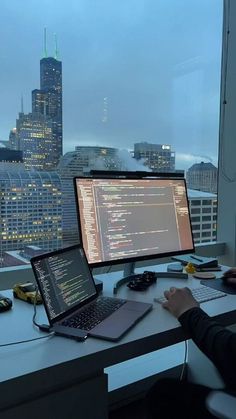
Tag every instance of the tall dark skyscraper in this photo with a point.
(47, 101)
(39, 134)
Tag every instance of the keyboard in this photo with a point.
(92, 315)
(201, 294)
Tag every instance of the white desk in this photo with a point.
(61, 378)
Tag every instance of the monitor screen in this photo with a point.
(131, 219)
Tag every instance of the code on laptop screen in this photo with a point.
(64, 280)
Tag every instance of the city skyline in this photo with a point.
(113, 80)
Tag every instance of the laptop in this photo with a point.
(73, 306)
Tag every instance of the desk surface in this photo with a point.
(66, 358)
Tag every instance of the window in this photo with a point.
(206, 202)
(195, 219)
(206, 234)
(141, 79)
(206, 210)
(206, 226)
(195, 203)
(206, 218)
(195, 211)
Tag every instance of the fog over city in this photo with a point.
(133, 71)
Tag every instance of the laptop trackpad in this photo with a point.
(121, 320)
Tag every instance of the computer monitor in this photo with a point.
(128, 219)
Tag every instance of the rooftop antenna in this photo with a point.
(22, 104)
(56, 48)
(45, 43)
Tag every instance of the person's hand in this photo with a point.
(230, 276)
(179, 300)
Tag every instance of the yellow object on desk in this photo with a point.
(189, 268)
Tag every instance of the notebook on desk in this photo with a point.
(73, 306)
(197, 261)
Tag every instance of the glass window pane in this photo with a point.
(138, 85)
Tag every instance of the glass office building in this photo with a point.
(158, 157)
(35, 138)
(48, 100)
(77, 163)
(203, 177)
(30, 208)
(203, 212)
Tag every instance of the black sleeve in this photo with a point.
(216, 342)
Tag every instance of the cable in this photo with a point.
(42, 327)
(27, 340)
(109, 268)
(185, 361)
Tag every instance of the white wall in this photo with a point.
(227, 145)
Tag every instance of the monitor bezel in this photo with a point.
(132, 176)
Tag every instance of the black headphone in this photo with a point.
(142, 281)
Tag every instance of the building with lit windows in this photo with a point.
(30, 209)
(203, 177)
(158, 157)
(77, 163)
(39, 134)
(47, 101)
(203, 213)
(35, 137)
(13, 140)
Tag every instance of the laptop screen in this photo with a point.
(64, 279)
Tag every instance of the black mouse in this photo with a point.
(5, 303)
(229, 281)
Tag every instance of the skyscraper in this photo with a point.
(13, 139)
(48, 101)
(77, 163)
(203, 177)
(30, 208)
(158, 157)
(39, 133)
(35, 138)
(203, 212)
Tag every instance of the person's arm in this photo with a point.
(218, 343)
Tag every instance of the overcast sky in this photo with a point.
(133, 70)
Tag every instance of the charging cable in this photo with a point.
(42, 327)
(185, 361)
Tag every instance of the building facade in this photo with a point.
(78, 163)
(30, 209)
(48, 101)
(13, 140)
(203, 213)
(39, 134)
(35, 138)
(158, 157)
(203, 177)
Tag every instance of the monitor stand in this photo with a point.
(98, 285)
(129, 275)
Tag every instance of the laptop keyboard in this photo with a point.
(201, 294)
(92, 315)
